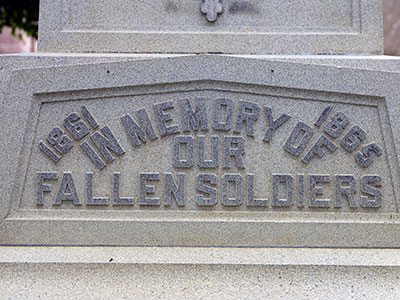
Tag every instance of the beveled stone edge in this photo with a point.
(201, 256)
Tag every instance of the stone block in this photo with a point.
(200, 151)
(212, 26)
(198, 273)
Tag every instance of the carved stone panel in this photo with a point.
(210, 150)
(278, 156)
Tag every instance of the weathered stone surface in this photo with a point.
(229, 26)
(249, 166)
(90, 176)
(198, 273)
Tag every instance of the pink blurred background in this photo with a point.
(391, 22)
(11, 44)
(391, 26)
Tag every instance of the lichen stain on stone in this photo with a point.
(170, 6)
(242, 7)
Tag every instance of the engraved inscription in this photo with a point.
(105, 143)
(209, 159)
(302, 134)
(230, 189)
(104, 146)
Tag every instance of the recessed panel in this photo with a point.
(210, 151)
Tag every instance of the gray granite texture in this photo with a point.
(228, 26)
(198, 273)
(11, 62)
(42, 60)
(271, 176)
(76, 171)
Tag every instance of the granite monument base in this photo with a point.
(198, 273)
(289, 216)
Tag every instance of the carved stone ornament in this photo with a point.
(212, 8)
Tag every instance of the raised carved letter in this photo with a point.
(347, 191)
(76, 128)
(233, 146)
(214, 162)
(90, 200)
(366, 157)
(319, 149)
(368, 184)
(276, 181)
(337, 124)
(251, 201)
(200, 199)
(197, 118)
(164, 119)
(323, 116)
(100, 164)
(187, 143)
(67, 191)
(224, 125)
(248, 113)
(88, 116)
(145, 189)
(41, 187)
(300, 136)
(273, 124)
(353, 138)
(61, 142)
(173, 189)
(107, 143)
(300, 190)
(117, 200)
(46, 150)
(316, 191)
(137, 132)
(237, 181)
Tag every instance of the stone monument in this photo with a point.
(194, 149)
